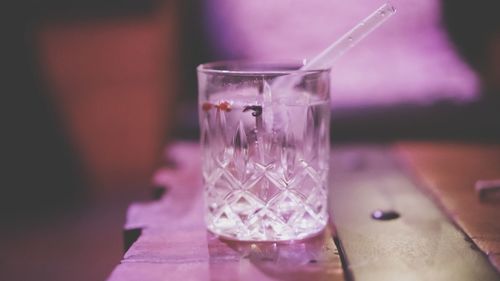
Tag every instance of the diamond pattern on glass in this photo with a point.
(264, 184)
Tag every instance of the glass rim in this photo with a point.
(275, 67)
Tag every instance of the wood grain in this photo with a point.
(174, 244)
(449, 172)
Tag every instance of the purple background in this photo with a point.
(407, 60)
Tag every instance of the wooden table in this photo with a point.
(449, 171)
(174, 244)
(166, 239)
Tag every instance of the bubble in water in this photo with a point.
(382, 13)
(350, 38)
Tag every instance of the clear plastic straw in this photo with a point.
(276, 116)
(326, 58)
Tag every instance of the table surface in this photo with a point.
(175, 245)
(166, 239)
(449, 172)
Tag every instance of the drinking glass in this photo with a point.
(265, 149)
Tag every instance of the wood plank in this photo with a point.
(420, 244)
(449, 171)
(174, 244)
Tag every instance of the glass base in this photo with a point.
(272, 236)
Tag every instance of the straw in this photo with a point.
(327, 57)
(278, 117)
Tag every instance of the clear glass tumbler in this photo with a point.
(265, 149)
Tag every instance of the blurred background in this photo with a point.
(96, 89)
